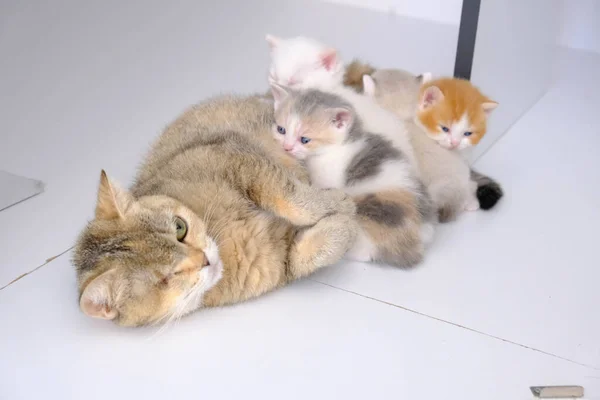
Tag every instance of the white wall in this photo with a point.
(515, 54)
(581, 25)
(444, 11)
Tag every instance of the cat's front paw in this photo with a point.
(472, 205)
(340, 202)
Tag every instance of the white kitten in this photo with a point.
(301, 63)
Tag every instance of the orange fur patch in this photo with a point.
(319, 130)
(460, 98)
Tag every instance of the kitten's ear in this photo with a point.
(280, 93)
(273, 41)
(368, 85)
(341, 118)
(488, 107)
(425, 77)
(431, 96)
(112, 200)
(97, 299)
(329, 59)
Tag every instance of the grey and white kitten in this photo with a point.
(349, 142)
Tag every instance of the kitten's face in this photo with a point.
(454, 113)
(144, 261)
(301, 63)
(308, 122)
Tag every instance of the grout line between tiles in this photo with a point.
(49, 260)
(458, 325)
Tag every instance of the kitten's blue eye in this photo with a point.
(304, 140)
(468, 133)
(444, 128)
(281, 129)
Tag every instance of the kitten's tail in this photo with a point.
(396, 226)
(353, 76)
(489, 192)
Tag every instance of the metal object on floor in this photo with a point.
(557, 392)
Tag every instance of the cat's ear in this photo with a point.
(425, 77)
(280, 93)
(430, 97)
(488, 107)
(329, 59)
(112, 200)
(341, 118)
(368, 85)
(97, 299)
(273, 41)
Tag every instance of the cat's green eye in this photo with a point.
(180, 229)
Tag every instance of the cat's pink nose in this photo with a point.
(288, 147)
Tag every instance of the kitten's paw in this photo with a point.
(340, 202)
(472, 205)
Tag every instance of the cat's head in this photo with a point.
(308, 121)
(142, 261)
(453, 112)
(303, 63)
(395, 90)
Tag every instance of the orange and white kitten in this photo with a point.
(453, 112)
(444, 172)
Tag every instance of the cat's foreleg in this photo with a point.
(323, 244)
(276, 190)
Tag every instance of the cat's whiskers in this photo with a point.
(178, 310)
(216, 231)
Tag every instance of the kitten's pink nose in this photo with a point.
(288, 147)
(454, 142)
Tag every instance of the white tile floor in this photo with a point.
(508, 299)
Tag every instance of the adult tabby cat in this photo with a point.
(218, 214)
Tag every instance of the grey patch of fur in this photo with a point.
(384, 213)
(368, 161)
(425, 205)
(356, 131)
(310, 101)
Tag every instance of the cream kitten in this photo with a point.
(350, 143)
(302, 62)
